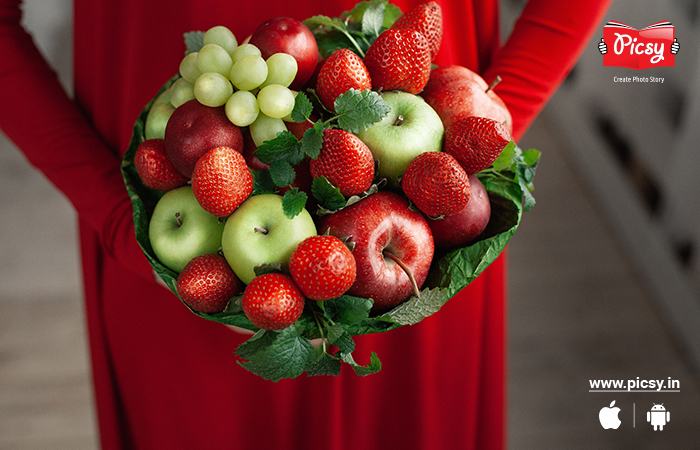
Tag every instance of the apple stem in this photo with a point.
(399, 120)
(406, 269)
(260, 230)
(178, 219)
(494, 83)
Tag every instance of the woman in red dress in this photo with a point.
(166, 379)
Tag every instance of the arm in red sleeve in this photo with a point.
(47, 126)
(546, 42)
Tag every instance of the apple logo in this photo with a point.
(608, 416)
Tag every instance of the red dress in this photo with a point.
(166, 379)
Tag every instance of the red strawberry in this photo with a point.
(399, 59)
(476, 142)
(345, 161)
(436, 184)
(207, 283)
(155, 169)
(323, 267)
(272, 301)
(342, 71)
(221, 181)
(426, 18)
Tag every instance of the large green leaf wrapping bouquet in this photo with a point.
(288, 353)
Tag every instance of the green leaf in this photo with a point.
(531, 157)
(327, 195)
(320, 22)
(338, 336)
(277, 355)
(506, 158)
(332, 34)
(347, 309)
(284, 147)
(302, 108)
(325, 365)
(194, 41)
(415, 309)
(358, 110)
(265, 268)
(373, 19)
(312, 141)
(391, 12)
(374, 366)
(262, 182)
(282, 173)
(293, 202)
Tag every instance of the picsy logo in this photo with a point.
(652, 46)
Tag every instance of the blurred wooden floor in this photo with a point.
(577, 312)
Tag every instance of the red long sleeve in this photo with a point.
(40, 118)
(546, 42)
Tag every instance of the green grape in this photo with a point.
(242, 108)
(244, 50)
(265, 128)
(212, 89)
(213, 58)
(222, 36)
(181, 92)
(276, 101)
(249, 72)
(281, 69)
(288, 117)
(188, 67)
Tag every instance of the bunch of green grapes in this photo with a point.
(254, 91)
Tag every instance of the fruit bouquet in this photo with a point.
(322, 180)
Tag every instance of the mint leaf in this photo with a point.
(415, 309)
(373, 19)
(324, 365)
(358, 110)
(531, 157)
(293, 202)
(347, 309)
(265, 268)
(391, 12)
(321, 22)
(326, 29)
(506, 158)
(340, 338)
(285, 146)
(327, 195)
(282, 173)
(374, 366)
(262, 182)
(312, 141)
(277, 355)
(302, 108)
(194, 41)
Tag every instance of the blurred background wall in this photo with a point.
(604, 272)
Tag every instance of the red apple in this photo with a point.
(194, 129)
(455, 91)
(288, 35)
(386, 234)
(463, 227)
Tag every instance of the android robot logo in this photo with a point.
(658, 416)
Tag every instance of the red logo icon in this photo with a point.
(652, 46)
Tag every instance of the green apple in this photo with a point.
(158, 116)
(180, 229)
(411, 128)
(259, 232)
